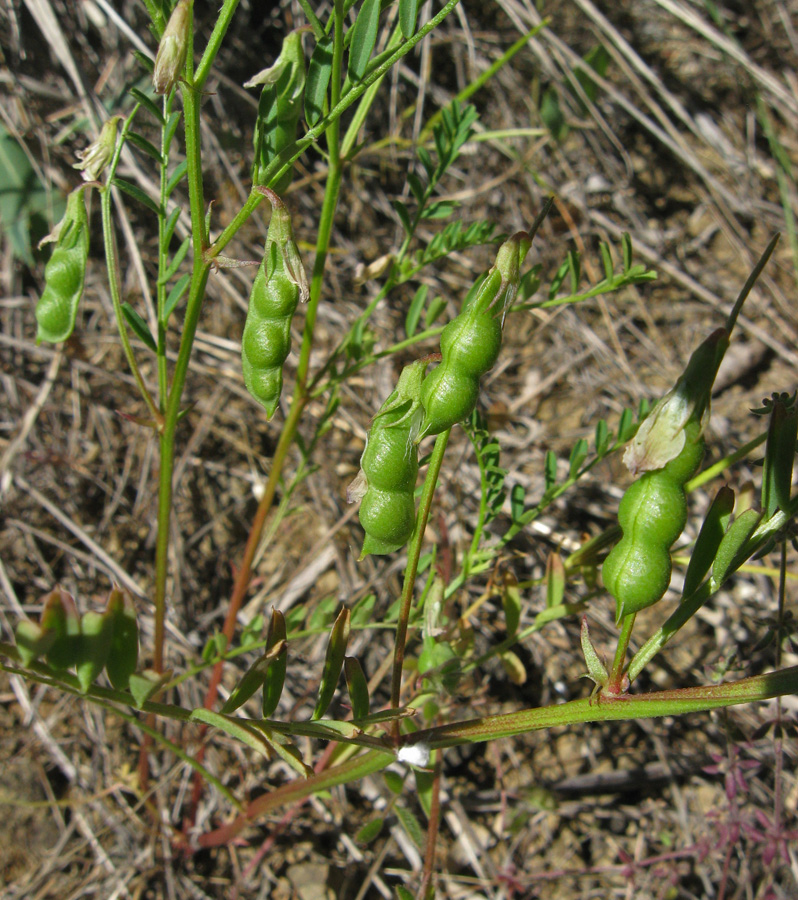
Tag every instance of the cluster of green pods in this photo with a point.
(420, 406)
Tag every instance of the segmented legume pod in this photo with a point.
(652, 515)
(471, 342)
(279, 285)
(389, 467)
(64, 273)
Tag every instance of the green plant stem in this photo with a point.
(626, 707)
(163, 256)
(112, 264)
(413, 556)
(298, 404)
(662, 703)
(196, 294)
(432, 831)
(615, 681)
(223, 20)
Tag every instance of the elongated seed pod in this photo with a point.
(276, 291)
(389, 467)
(667, 449)
(652, 515)
(64, 273)
(471, 342)
(279, 108)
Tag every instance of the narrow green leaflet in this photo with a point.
(236, 728)
(252, 680)
(177, 259)
(364, 37)
(176, 177)
(139, 326)
(134, 191)
(333, 663)
(414, 311)
(275, 676)
(732, 552)
(173, 297)
(318, 79)
(408, 12)
(145, 146)
(358, 688)
(709, 539)
(147, 103)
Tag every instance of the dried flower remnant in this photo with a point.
(172, 50)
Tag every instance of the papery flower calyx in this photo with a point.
(98, 154)
(661, 436)
(172, 50)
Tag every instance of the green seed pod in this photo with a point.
(389, 467)
(124, 653)
(652, 515)
(279, 108)
(471, 342)
(279, 285)
(64, 273)
(667, 449)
